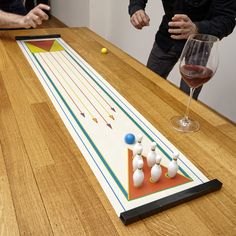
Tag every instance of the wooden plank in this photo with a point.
(34, 143)
(62, 213)
(183, 218)
(8, 222)
(229, 130)
(5, 63)
(53, 22)
(69, 172)
(31, 215)
(31, 86)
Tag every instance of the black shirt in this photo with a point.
(13, 6)
(215, 17)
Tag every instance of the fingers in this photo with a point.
(44, 7)
(181, 27)
(179, 17)
(29, 21)
(140, 19)
(179, 36)
(39, 11)
(36, 16)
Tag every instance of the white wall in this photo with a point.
(99, 17)
(71, 12)
(110, 19)
(116, 27)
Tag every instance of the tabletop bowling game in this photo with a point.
(140, 171)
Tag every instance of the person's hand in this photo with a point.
(140, 19)
(181, 27)
(35, 17)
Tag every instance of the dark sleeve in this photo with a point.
(135, 5)
(222, 19)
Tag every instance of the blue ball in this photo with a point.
(129, 138)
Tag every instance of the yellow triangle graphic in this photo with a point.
(34, 49)
(56, 47)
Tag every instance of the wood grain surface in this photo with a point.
(47, 187)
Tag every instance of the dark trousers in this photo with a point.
(163, 62)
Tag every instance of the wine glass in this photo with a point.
(198, 63)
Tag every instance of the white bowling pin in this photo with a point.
(136, 159)
(139, 138)
(158, 159)
(173, 166)
(138, 145)
(151, 156)
(138, 176)
(156, 170)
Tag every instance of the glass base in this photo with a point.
(182, 124)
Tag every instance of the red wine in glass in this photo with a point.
(195, 75)
(198, 63)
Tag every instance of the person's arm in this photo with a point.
(135, 5)
(32, 19)
(222, 21)
(138, 16)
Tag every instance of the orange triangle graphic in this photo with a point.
(43, 44)
(148, 187)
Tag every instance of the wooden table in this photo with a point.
(46, 188)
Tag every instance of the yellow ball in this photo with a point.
(104, 51)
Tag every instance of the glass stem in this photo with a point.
(186, 116)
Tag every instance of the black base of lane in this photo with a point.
(155, 207)
(46, 36)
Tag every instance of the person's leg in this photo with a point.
(161, 62)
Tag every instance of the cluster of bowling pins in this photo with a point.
(153, 162)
